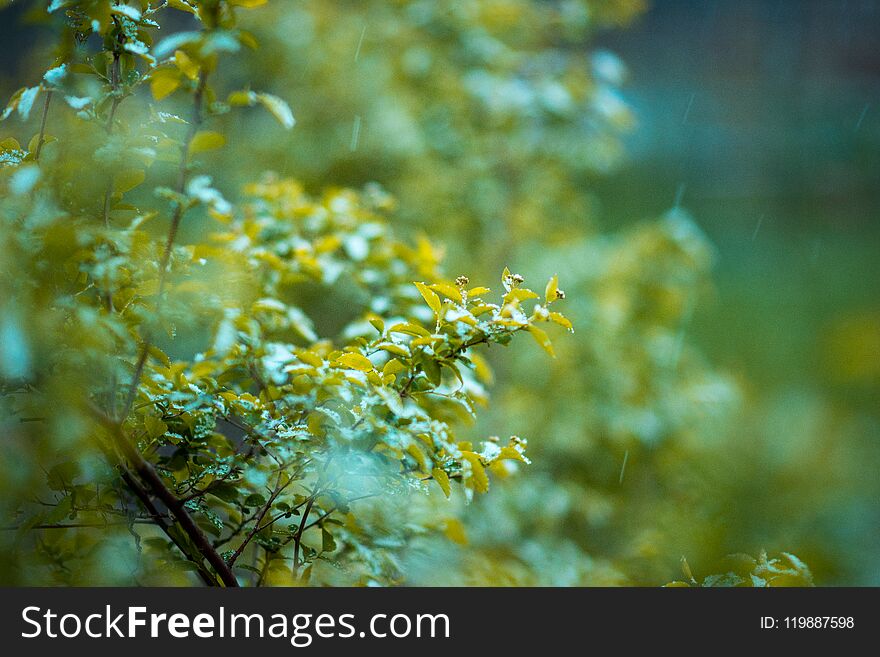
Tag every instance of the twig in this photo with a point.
(279, 488)
(39, 147)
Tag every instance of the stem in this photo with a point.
(302, 527)
(169, 242)
(83, 525)
(43, 125)
(151, 478)
(144, 469)
(156, 517)
(181, 182)
(267, 559)
(115, 75)
(262, 514)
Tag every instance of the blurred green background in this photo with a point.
(703, 176)
(763, 120)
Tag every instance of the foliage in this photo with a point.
(745, 570)
(299, 379)
(184, 386)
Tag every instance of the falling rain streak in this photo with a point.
(357, 52)
(687, 110)
(355, 133)
(758, 226)
(862, 116)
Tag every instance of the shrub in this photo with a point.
(183, 385)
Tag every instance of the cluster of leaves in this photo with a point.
(490, 122)
(492, 113)
(272, 359)
(184, 385)
(745, 570)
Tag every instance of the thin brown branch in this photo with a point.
(83, 525)
(176, 217)
(43, 118)
(297, 539)
(279, 488)
(154, 484)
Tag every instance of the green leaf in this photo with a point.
(225, 491)
(431, 368)
(328, 544)
(255, 500)
(128, 179)
(155, 427)
(62, 510)
(61, 476)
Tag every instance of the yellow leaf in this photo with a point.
(309, 358)
(505, 279)
(426, 340)
(206, 140)
(395, 349)
(508, 452)
(429, 296)
(160, 355)
(315, 423)
(562, 320)
(182, 6)
(447, 290)
(241, 98)
(186, 65)
(164, 83)
(519, 294)
(410, 329)
(393, 366)
(478, 291)
(454, 531)
(248, 4)
(551, 289)
(542, 339)
(414, 451)
(482, 368)
(245, 38)
(442, 480)
(478, 477)
(355, 362)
